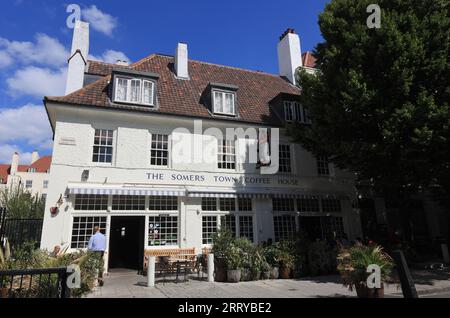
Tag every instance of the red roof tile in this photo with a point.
(184, 97)
(308, 59)
(41, 165)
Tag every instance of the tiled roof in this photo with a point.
(308, 59)
(41, 165)
(184, 97)
(101, 68)
(4, 171)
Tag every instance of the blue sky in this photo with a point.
(35, 41)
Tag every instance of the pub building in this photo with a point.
(113, 164)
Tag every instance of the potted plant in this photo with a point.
(286, 264)
(246, 251)
(286, 259)
(222, 241)
(271, 256)
(234, 263)
(266, 270)
(353, 263)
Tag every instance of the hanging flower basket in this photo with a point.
(54, 210)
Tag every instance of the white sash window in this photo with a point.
(134, 90)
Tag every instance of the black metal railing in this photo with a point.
(34, 283)
(19, 231)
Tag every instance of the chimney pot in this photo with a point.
(121, 63)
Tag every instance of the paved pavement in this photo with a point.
(127, 284)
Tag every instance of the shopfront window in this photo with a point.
(83, 229)
(163, 230)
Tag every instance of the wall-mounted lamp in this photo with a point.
(85, 175)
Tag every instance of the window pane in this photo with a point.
(94, 202)
(323, 166)
(135, 95)
(246, 226)
(284, 158)
(121, 89)
(163, 203)
(83, 229)
(209, 227)
(228, 222)
(209, 204)
(283, 205)
(103, 146)
(128, 202)
(284, 227)
(162, 230)
(218, 102)
(226, 156)
(159, 150)
(147, 97)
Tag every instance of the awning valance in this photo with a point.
(125, 190)
(262, 193)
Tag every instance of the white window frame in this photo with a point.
(290, 158)
(45, 184)
(28, 184)
(129, 80)
(224, 93)
(295, 112)
(169, 145)
(237, 215)
(221, 153)
(323, 164)
(102, 163)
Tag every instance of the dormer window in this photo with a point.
(31, 169)
(295, 112)
(224, 102)
(222, 99)
(134, 90)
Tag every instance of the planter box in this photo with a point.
(362, 291)
(234, 276)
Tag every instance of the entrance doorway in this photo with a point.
(126, 243)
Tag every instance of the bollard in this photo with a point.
(210, 268)
(408, 286)
(445, 254)
(151, 271)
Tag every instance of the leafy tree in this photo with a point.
(20, 203)
(380, 100)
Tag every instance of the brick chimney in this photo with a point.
(78, 57)
(289, 55)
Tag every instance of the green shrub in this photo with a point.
(321, 258)
(353, 263)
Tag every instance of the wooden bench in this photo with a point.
(172, 253)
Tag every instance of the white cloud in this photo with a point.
(6, 152)
(5, 59)
(99, 21)
(37, 82)
(45, 51)
(28, 123)
(110, 56)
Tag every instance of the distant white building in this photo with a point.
(34, 177)
(114, 165)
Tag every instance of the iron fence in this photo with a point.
(34, 283)
(19, 231)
